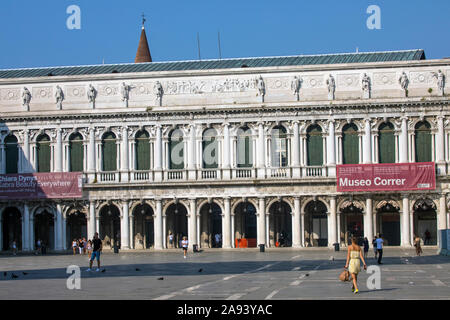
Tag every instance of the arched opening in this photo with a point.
(280, 225)
(210, 149)
(177, 223)
(144, 228)
(350, 144)
(43, 153)
(316, 224)
(244, 148)
(76, 227)
(110, 226)
(352, 224)
(109, 152)
(389, 224)
(210, 225)
(314, 145)
(142, 150)
(176, 150)
(279, 147)
(12, 228)
(386, 143)
(76, 153)
(245, 230)
(422, 142)
(44, 228)
(425, 221)
(11, 154)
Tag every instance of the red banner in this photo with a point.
(52, 185)
(386, 177)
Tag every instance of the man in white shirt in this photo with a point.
(379, 242)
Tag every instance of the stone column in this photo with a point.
(64, 231)
(405, 222)
(226, 154)
(91, 221)
(3, 162)
(1, 228)
(158, 154)
(442, 215)
(26, 164)
(295, 151)
(158, 225)
(368, 219)
(331, 152)
(302, 228)
(226, 225)
(332, 238)
(261, 152)
(192, 223)
(124, 163)
(26, 246)
(261, 221)
(58, 151)
(58, 228)
(296, 225)
(125, 229)
(403, 141)
(91, 157)
(367, 148)
(440, 146)
(131, 224)
(191, 154)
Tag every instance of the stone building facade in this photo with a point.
(244, 148)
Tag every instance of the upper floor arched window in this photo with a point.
(314, 146)
(76, 153)
(244, 148)
(109, 152)
(386, 143)
(11, 154)
(43, 153)
(279, 147)
(422, 141)
(142, 150)
(350, 144)
(210, 152)
(176, 150)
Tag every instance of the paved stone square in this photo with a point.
(239, 274)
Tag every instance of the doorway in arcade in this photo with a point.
(351, 223)
(388, 224)
(316, 224)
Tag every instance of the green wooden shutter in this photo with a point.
(386, 143)
(142, 151)
(43, 154)
(245, 149)
(422, 141)
(76, 153)
(210, 149)
(109, 152)
(314, 142)
(11, 154)
(176, 150)
(350, 144)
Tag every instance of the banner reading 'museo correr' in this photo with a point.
(41, 185)
(386, 177)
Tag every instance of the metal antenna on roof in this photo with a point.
(220, 50)
(357, 49)
(198, 44)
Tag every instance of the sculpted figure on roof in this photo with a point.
(331, 84)
(26, 97)
(59, 95)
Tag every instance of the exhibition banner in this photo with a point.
(50, 185)
(386, 177)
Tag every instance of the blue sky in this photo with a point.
(34, 33)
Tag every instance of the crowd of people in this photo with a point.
(82, 246)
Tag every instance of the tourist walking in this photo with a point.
(97, 244)
(417, 245)
(170, 240)
(366, 247)
(38, 246)
(89, 248)
(80, 246)
(379, 241)
(14, 247)
(74, 246)
(84, 245)
(184, 245)
(374, 243)
(354, 254)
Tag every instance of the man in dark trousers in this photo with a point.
(379, 242)
(97, 248)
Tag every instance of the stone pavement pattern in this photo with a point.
(278, 274)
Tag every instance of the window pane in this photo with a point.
(142, 151)
(423, 142)
(109, 152)
(176, 150)
(43, 154)
(350, 144)
(386, 143)
(314, 143)
(12, 154)
(76, 153)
